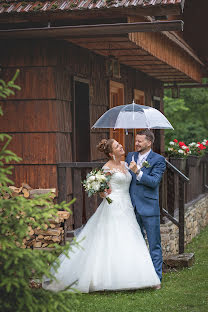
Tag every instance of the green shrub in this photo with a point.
(19, 265)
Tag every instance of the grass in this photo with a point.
(182, 291)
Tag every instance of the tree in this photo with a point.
(18, 266)
(188, 115)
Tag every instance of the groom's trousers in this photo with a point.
(151, 224)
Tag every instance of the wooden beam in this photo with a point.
(135, 58)
(191, 85)
(80, 165)
(109, 39)
(168, 71)
(149, 59)
(92, 30)
(143, 64)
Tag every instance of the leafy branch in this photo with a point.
(6, 88)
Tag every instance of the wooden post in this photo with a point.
(90, 202)
(171, 198)
(77, 193)
(90, 205)
(181, 215)
(61, 184)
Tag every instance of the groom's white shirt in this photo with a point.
(140, 160)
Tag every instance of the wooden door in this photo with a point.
(139, 98)
(116, 99)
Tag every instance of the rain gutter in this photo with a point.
(92, 30)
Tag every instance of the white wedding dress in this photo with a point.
(114, 255)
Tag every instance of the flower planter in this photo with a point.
(205, 157)
(193, 160)
(179, 163)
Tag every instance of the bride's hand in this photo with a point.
(133, 167)
(105, 193)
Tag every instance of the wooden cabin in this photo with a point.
(77, 59)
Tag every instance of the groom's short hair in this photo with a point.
(149, 134)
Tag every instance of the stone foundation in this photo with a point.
(196, 218)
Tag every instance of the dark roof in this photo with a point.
(12, 6)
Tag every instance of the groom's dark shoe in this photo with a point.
(157, 286)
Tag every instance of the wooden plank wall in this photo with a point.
(39, 117)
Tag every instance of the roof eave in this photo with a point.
(156, 10)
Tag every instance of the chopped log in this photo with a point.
(37, 244)
(42, 192)
(44, 245)
(25, 193)
(64, 214)
(40, 237)
(47, 237)
(53, 232)
(25, 185)
(30, 231)
(52, 226)
(15, 189)
(56, 239)
(14, 194)
(56, 220)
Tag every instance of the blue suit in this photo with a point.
(145, 199)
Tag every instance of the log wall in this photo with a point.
(39, 117)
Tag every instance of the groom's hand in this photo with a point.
(133, 167)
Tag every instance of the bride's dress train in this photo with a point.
(113, 253)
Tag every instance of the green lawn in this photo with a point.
(182, 291)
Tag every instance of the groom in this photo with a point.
(147, 169)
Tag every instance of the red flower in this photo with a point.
(206, 142)
(181, 144)
(201, 146)
(187, 150)
(176, 141)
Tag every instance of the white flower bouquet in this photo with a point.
(97, 181)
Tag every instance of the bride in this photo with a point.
(113, 253)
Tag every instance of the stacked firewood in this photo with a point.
(26, 191)
(54, 232)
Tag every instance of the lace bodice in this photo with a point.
(120, 181)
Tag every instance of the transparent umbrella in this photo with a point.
(133, 116)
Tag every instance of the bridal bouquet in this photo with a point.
(97, 182)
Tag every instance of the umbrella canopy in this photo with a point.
(133, 116)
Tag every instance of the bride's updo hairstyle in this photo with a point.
(105, 146)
